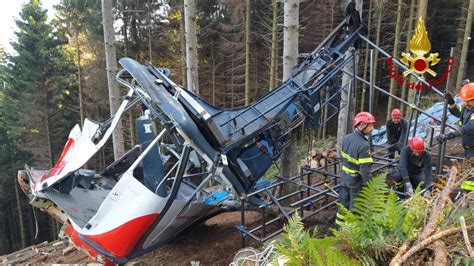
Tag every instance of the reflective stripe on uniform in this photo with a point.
(468, 185)
(460, 123)
(366, 160)
(348, 170)
(356, 161)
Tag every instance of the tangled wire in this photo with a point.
(253, 256)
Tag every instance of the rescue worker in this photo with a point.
(396, 132)
(414, 167)
(466, 126)
(466, 122)
(356, 159)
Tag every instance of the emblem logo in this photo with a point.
(419, 46)
(417, 62)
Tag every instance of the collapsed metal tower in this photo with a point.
(316, 187)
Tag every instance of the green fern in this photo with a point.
(379, 219)
(299, 248)
(415, 215)
(372, 198)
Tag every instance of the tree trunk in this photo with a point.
(344, 112)
(20, 214)
(376, 52)
(232, 84)
(111, 65)
(79, 81)
(274, 51)
(247, 52)
(131, 117)
(459, 42)
(148, 21)
(213, 58)
(410, 27)
(323, 130)
(183, 50)
(393, 84)
(465, 45)
(422, 8)
(290, 59)
(366, 63)
(191, 46)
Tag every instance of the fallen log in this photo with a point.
(440, 253)
(428, 241)
(322, 162)
(314, 163)
(400, 252)
(69, 250)
(439, 206)
(466, 237)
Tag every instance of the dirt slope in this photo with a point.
(214, 242)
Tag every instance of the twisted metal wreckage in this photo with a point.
(204, 161)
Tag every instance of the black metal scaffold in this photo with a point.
(316, 188)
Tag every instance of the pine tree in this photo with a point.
(38, 81)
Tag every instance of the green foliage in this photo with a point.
(416, 211)
(36, 80)
(379, 219)
(34, 122)
(299, 248)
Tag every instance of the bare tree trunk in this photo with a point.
(290, 59)
(79, 81)
(20, 214)
(54, 231)
(410, 26)
(422, 8)
(148, 21)
(393, 84)
(111, 64)
(324, 127)
(344, 113)
(213, 58)
(232, 84)
(183, 51)
(247, 52)
(465, 44)
(191, 45)
(376, 52)
(325, 117)
(131, 118)
(459, 42)
(366, 63)
(274, 51)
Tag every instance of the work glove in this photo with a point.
(398, 146)
(442, 138)
(450, 98)
(408, 189)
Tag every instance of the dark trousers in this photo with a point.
(391, 151)
(349, 190)
(469, 153)
(415, 180)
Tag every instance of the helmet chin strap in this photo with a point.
(366, 125)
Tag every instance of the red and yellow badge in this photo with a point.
(419, 46)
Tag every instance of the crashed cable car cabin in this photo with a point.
(193, 160)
